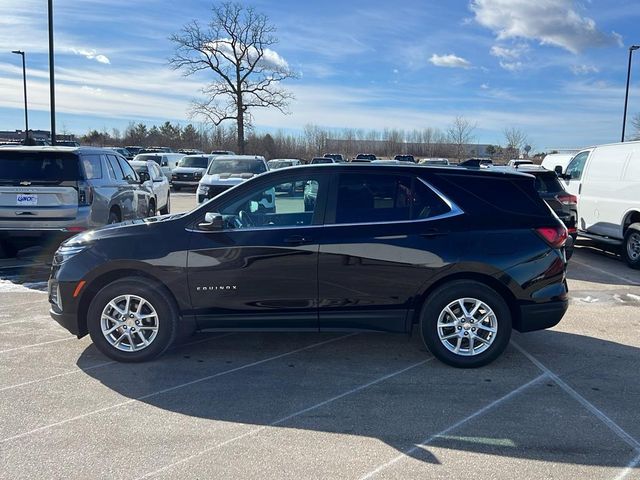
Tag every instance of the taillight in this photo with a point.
(85, 194)
(567, 199)
(554, 236)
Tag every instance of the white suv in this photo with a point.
(228, 171)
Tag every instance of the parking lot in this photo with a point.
(561, 403)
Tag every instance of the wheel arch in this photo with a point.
(502, 289)
(631, 217)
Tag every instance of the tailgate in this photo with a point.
(38, 203)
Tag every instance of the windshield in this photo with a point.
(321, 160)
(49, 167)
(153, 158)
(194, 162)
(237, 166)
(275, 164)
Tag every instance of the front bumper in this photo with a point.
(541, 316)
(185, 183)
(66, 320)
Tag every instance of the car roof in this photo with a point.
(51, 148)
(238, 157)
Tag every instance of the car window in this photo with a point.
(290, 203)
(236, 166)
(576, 166)
(92, 165)
(156, 171)
(548, 183)
(129, 174)
(114, 168)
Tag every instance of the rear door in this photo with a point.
(384, 233)
(38, 189)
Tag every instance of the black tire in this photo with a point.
(113, 217)
(441, 298)
(630, 246)
(151, 211)
(167, 208)
(159, 298)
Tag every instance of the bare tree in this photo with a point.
(516, 139)
(234, 45)
(636, 124)
(460, 134)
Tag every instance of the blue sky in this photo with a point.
(553, 68)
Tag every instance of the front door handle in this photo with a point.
(297, 240)
(433, 232)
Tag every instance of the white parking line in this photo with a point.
(284, 419)
(633, 282)
(100, 365)
(38, 344)
(175, 387)
(613, 426)
(632, 464)
(407, 453)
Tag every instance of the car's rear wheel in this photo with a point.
(113, 217)
(131, 321)
(631, 246)
(465, 324)
(167, 208)
(151, 212)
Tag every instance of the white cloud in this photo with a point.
(449, 61)
(512, 66)
(508, 53)
(550, 22)
(91, 55)
(270, 60)
(484, 86)
(584, 69)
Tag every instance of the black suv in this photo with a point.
(464, 254)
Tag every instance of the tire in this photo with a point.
(151, 211)
(492, 307)
(631, 246)
(158, 304)
(167, 208)
(113, 217)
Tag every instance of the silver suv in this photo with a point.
(60, 191)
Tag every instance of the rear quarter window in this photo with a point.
(92, 165)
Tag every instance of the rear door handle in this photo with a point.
(297, 240)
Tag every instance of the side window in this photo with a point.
(426, 203)
(156, 173)
(576, 166)
(290, 203)
(129, 174)
(114, 168)
(92, 165)
(366, 198)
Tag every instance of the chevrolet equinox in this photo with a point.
(463, 254)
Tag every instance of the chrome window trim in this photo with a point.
(454, 211)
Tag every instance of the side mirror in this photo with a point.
(144, 177)
(558, 170)
(212, 222)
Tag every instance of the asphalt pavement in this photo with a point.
(561, 403)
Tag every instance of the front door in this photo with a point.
(261, 269)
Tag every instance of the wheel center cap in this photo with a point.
(466, 326)
(131, 322)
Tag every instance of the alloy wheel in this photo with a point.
(467, 326)
(129, 323)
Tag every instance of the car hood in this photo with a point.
(127, 228)
(189, 170)
(226, 178)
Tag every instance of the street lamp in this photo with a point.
(24, 81)
(626, 95)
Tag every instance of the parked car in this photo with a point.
(338, 157)
(434, 161)
(516, 162)
(122, 151)
(606, 181)
(322, 160)
(190, 170)
(387, 162)
(365, 156)
(167, 161)
(59, 191)
(190, 151)
(405, 158)
(134, 149)
(463, 255)
(561, 159)
(228, 171)
(152, 177)
(67, 143)
(157, 150)
(476, 162)
(277, 163)
(222, 152)
(563, 204)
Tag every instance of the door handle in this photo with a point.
(433, 232)
(297, 240)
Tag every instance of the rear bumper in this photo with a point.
(541, 316)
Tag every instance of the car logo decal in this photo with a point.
(214, 288)
(25, 183)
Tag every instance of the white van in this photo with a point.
(561, 159)
(606, 180)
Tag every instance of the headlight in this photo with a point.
(65, 252)
(203, 189)
(197, 175)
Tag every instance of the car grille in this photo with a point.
(185, 176)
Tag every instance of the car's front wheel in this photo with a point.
(631, 246)
(465, 324)
(167, 208)
(131, 320)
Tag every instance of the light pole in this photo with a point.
(52, 92)
(24, 81)
(626, 94)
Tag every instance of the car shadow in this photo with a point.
(404, 409)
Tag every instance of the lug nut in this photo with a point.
(466, 333)
(471, 320)
(462, 321)
(131, 315)
(137, 322)
(459, 328)
(124, 326)
(133, 329)
(473, 329)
